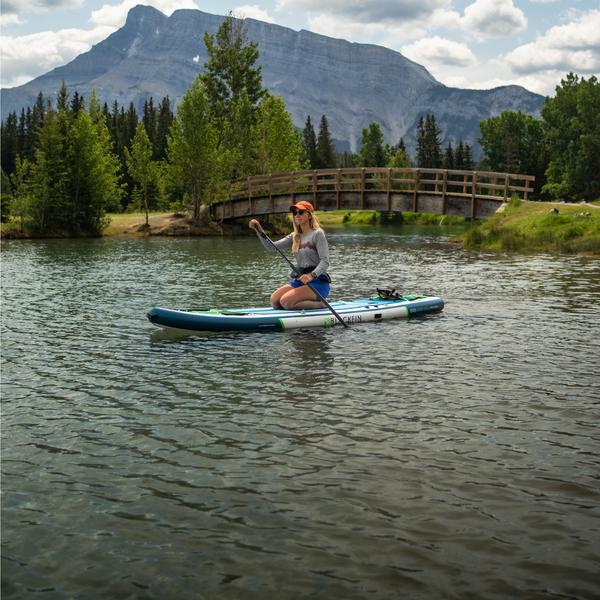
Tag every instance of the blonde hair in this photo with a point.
(314, 224)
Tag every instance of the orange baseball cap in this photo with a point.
(303, 206)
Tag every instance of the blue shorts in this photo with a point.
(321, 286)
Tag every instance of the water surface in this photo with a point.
(451, 456)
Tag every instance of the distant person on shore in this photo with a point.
(309, 245)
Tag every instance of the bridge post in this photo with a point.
(444, 191)
(338, 188)
(362, 189)
(250, 195)
(416, 191)
(293, 182)
(315, 189)
(389, 189)
(271, 193)
(473, 194)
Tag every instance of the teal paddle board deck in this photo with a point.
(270, 319)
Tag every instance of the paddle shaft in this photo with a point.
(299, 274)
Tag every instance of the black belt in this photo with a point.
(324, 277)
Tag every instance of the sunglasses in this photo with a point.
(299, 212)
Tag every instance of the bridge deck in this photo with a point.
(437, 191)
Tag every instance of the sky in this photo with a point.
(477, 44)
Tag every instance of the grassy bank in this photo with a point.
(564, 228)
(371, 217)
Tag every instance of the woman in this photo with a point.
(309, 245)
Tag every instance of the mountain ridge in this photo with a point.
(352, 84)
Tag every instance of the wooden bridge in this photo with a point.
(438, 191)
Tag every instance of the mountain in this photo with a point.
(353, 84)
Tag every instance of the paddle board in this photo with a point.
(270, 319)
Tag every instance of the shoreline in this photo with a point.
(517, 226)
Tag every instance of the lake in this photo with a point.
(452, 456)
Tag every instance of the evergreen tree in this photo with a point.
(372, 152)
(93, 170)
(572, 126)
(449, 162)
(140, 164)
(463, 157)
(49, 198)
(429, 144)
(233, 87)
(230, 68)
(325, 149)
(163, 125)
(5, 197)
(309, 144)
(279, 145)
(10, 143)
(21, 200)
(77, 103)
(149, 119)
(194, 158)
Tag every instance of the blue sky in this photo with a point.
(464, 43)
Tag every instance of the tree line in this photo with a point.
(319, 150)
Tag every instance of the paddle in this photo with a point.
(299, 274)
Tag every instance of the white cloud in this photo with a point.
(115, 15)
(24, 58)
(572, 47)
(368, 11)
(493, 18)
(435, 51)
(386, 23)
(50, 5)
(15, 7)
(10, 19)
(253, 12)
(19, 7)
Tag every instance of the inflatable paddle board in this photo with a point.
(270, 319)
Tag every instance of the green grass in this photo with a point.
(371, 217)
(531, 226)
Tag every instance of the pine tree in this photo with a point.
(309, 144)
(140, 164)
(194, 157)
(10, 143)
(325, 149)
(429, 144)
(77, 103)
(163, 125)
(371, 151)
(230, 68)
(449, 157)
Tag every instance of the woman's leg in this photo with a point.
(299, 298)
(277, 294)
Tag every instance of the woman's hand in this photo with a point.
(306, 278)
(254, 224)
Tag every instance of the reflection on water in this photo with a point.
(452, 456)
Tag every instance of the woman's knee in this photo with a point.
(287, 301)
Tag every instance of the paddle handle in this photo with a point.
(299, 273)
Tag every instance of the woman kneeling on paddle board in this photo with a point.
(309, 245)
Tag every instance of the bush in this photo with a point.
(474, 237)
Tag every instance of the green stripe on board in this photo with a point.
(282, 324)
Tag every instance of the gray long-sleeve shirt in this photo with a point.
(313, 251)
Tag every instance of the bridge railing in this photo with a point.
(474, 184)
